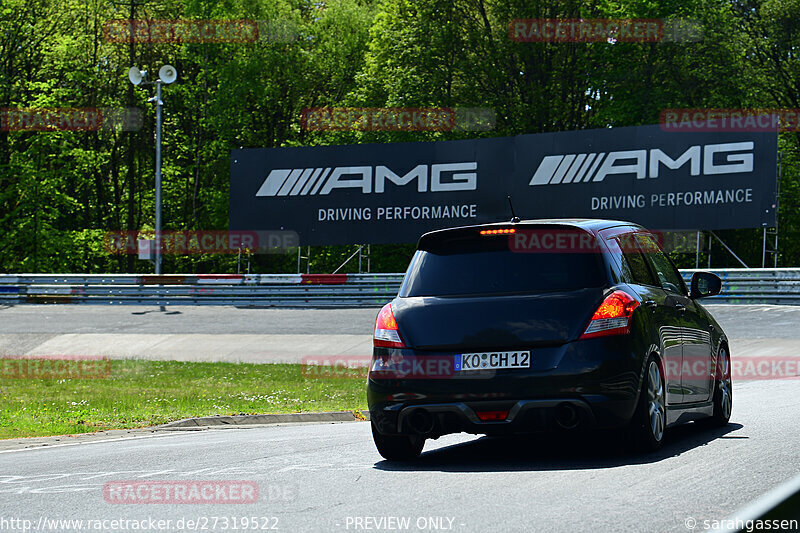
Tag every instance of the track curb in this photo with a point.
(260, 420)
(187, 424)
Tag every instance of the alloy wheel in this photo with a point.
(655, 395)
(724, 385)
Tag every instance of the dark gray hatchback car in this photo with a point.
(543, 325)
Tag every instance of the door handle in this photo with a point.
(651, 304)
(681, 308)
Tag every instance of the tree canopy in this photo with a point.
(61, 191)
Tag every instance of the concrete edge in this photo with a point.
(188, 424)
(266, 419)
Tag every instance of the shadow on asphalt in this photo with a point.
(160, 310)
(557, 452)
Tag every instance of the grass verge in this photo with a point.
(144, 393)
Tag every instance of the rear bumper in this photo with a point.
(586, 384)
(524, 416)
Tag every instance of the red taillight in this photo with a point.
(488, 416)
(613, 317)
(386, 331)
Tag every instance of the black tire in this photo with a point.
(397, 447)
(646, 430)
(723, 390)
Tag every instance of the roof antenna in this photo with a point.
(514, 217)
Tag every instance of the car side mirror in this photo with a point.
(705, 284)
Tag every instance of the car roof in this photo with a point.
(585, 223)
(592, 225)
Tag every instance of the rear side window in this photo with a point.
(668, 276)
(487, 265)
(635, 261)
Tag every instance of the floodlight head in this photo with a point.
(167, 74)
(136, 76)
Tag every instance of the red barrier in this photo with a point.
(162, 280)
(324, 279)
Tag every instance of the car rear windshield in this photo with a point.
(488, 265)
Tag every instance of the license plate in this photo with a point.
(491, 360)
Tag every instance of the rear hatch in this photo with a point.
(467, 290)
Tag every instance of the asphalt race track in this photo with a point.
(323, 477)
(261, 335)
(739, 321)
(328, 477)
(185, 333)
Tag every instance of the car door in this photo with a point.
(661, 309)
(696, 372)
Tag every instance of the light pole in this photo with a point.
(166, 74)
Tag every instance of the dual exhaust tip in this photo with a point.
(567, 417)
(422, 422)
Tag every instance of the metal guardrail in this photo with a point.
(755, 285)
(277, 290)
(739, 286)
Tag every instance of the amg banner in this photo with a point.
(390, 193)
